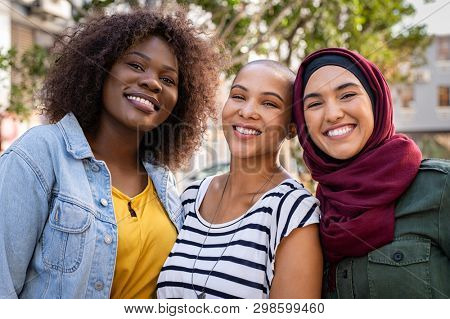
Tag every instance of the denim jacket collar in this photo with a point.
(76, 142)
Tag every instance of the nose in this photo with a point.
(333, 112)
(249, 111)
(150, 81)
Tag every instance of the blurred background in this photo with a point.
(408, 39)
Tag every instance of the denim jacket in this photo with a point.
(58, 232)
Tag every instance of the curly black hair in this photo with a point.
(85, 54)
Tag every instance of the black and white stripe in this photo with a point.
(245, 247)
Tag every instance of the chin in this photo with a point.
(342, 155)
(243, 154)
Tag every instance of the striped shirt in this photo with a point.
(239, 255)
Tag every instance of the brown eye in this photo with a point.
(314, 104)
(168, 80)
(136, 66)
(347, 95)
(270, 104)
(237, 97)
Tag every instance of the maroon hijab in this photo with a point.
(358, 195)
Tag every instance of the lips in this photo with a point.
(246, 131)
(143, 102)
(340, 131)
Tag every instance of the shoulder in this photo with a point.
(191, 190)
(432, 173)
(34, 153)
(38, 146)
(429, 189)
(39, 138)
(288, 188)
(194, 186)
(210, 182)
(291, 192)
(295, 208)
(294, 203)
(435, 165)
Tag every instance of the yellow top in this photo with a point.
(144, 242)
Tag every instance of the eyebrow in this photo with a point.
(346, 85)
(338, 88)
(238, 86)
(273, 94)
(145, 57)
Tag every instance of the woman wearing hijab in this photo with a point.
(385, 226)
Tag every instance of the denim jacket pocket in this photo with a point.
(400, 269)
(65, 235)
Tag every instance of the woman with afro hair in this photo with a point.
(88, 206)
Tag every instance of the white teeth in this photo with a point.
(247, 131)
(140, 100)
(340, 131)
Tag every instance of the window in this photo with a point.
(443, 48)
(405, 95)
(444, 96)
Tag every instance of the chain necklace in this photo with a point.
(202, 294)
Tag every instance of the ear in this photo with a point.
(292, 131)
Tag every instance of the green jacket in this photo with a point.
(417, 263)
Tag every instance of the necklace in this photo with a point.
(202, 294)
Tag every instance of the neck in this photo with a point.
(248, 173)
(114, 143)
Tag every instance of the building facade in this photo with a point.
(424, 105)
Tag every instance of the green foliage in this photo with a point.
(300, 27)
(290, 29)
(30, 69)
(432, 145)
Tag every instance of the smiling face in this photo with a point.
(338, 112)
(141, 89)
(257, 115)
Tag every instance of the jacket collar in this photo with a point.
(78, 146)
(76, 142)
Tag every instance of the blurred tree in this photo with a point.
(29, 70)
(433, 145)
(288, 30)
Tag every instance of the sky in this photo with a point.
(435, 15)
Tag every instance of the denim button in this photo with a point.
(98, 285)
(104, 202)
(95, 168)
(397, 256)
(108, 239)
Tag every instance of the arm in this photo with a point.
(23, 213)
(298, 265)
(444, 218)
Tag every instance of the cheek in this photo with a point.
(367, 120)
(312, 124)
(280, 128)
(108, 91)
(173, 98)
(370, 127)
(227, 112)
(275, 136)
